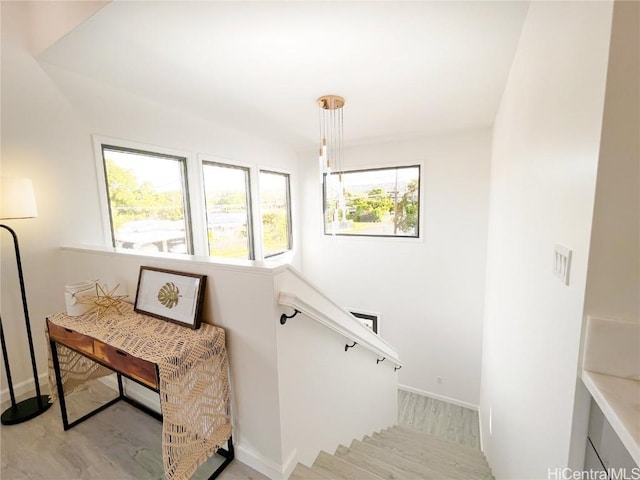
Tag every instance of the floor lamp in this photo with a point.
(18, 201)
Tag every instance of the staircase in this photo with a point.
(398, 453)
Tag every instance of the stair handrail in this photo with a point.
(359, 334)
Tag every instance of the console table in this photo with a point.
(188, 368)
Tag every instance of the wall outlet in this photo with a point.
(439, 379)
(562, 263)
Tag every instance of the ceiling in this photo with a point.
(405, 69)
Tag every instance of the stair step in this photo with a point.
(372, 464)
(442, 460)
(431, 441)
(302, 472)
(444, 449)
(336, 468)
(404, 430)
(399, 453)
(423, 472)
(445, 452)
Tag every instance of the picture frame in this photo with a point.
(170, 295)
(368, 319)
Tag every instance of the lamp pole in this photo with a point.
(31, 407)
(5, 357)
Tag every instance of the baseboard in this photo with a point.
(442, 398)
(27, 389)
(291, 463)
(480, 430)
(24, 390)
(256, 461)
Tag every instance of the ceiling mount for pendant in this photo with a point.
(330, 102)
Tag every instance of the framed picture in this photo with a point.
(169, 295)
(370, 320)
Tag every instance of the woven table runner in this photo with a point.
(194, 383)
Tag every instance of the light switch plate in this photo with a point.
(562, 263)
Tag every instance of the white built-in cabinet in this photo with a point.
(605, 450)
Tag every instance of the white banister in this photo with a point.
(344, 323)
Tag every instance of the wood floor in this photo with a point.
(122, 443)
(442, 419)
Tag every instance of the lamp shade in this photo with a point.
(17, 197)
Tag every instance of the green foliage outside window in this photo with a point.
(377, 202)
(274, 205)
(274, 226)
(371, 208)
(406, 216)
(148, 206)
(133, 200)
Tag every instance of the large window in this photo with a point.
(382, 202)
(275, 210)
(147, 200)
(228, 200)
(157, 199)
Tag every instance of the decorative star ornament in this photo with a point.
(104, 301)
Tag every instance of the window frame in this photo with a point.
(290, 245)
(194, 195)
(249, 202)
(102, 143)
(420, 197)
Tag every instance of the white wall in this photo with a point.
(613, 282)
(613, 275)
(250, 334)
(48, 117)
(543, 173)
(50, 21)
(44, 139)
(429, 292)
(328, 396)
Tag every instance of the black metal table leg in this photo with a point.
(63, 404)
(56, 369)
(228, 454)
(120, 387)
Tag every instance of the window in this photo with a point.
(383, 202)
(275, 211)
(157, 199)
(147, 201)
(228, 200)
